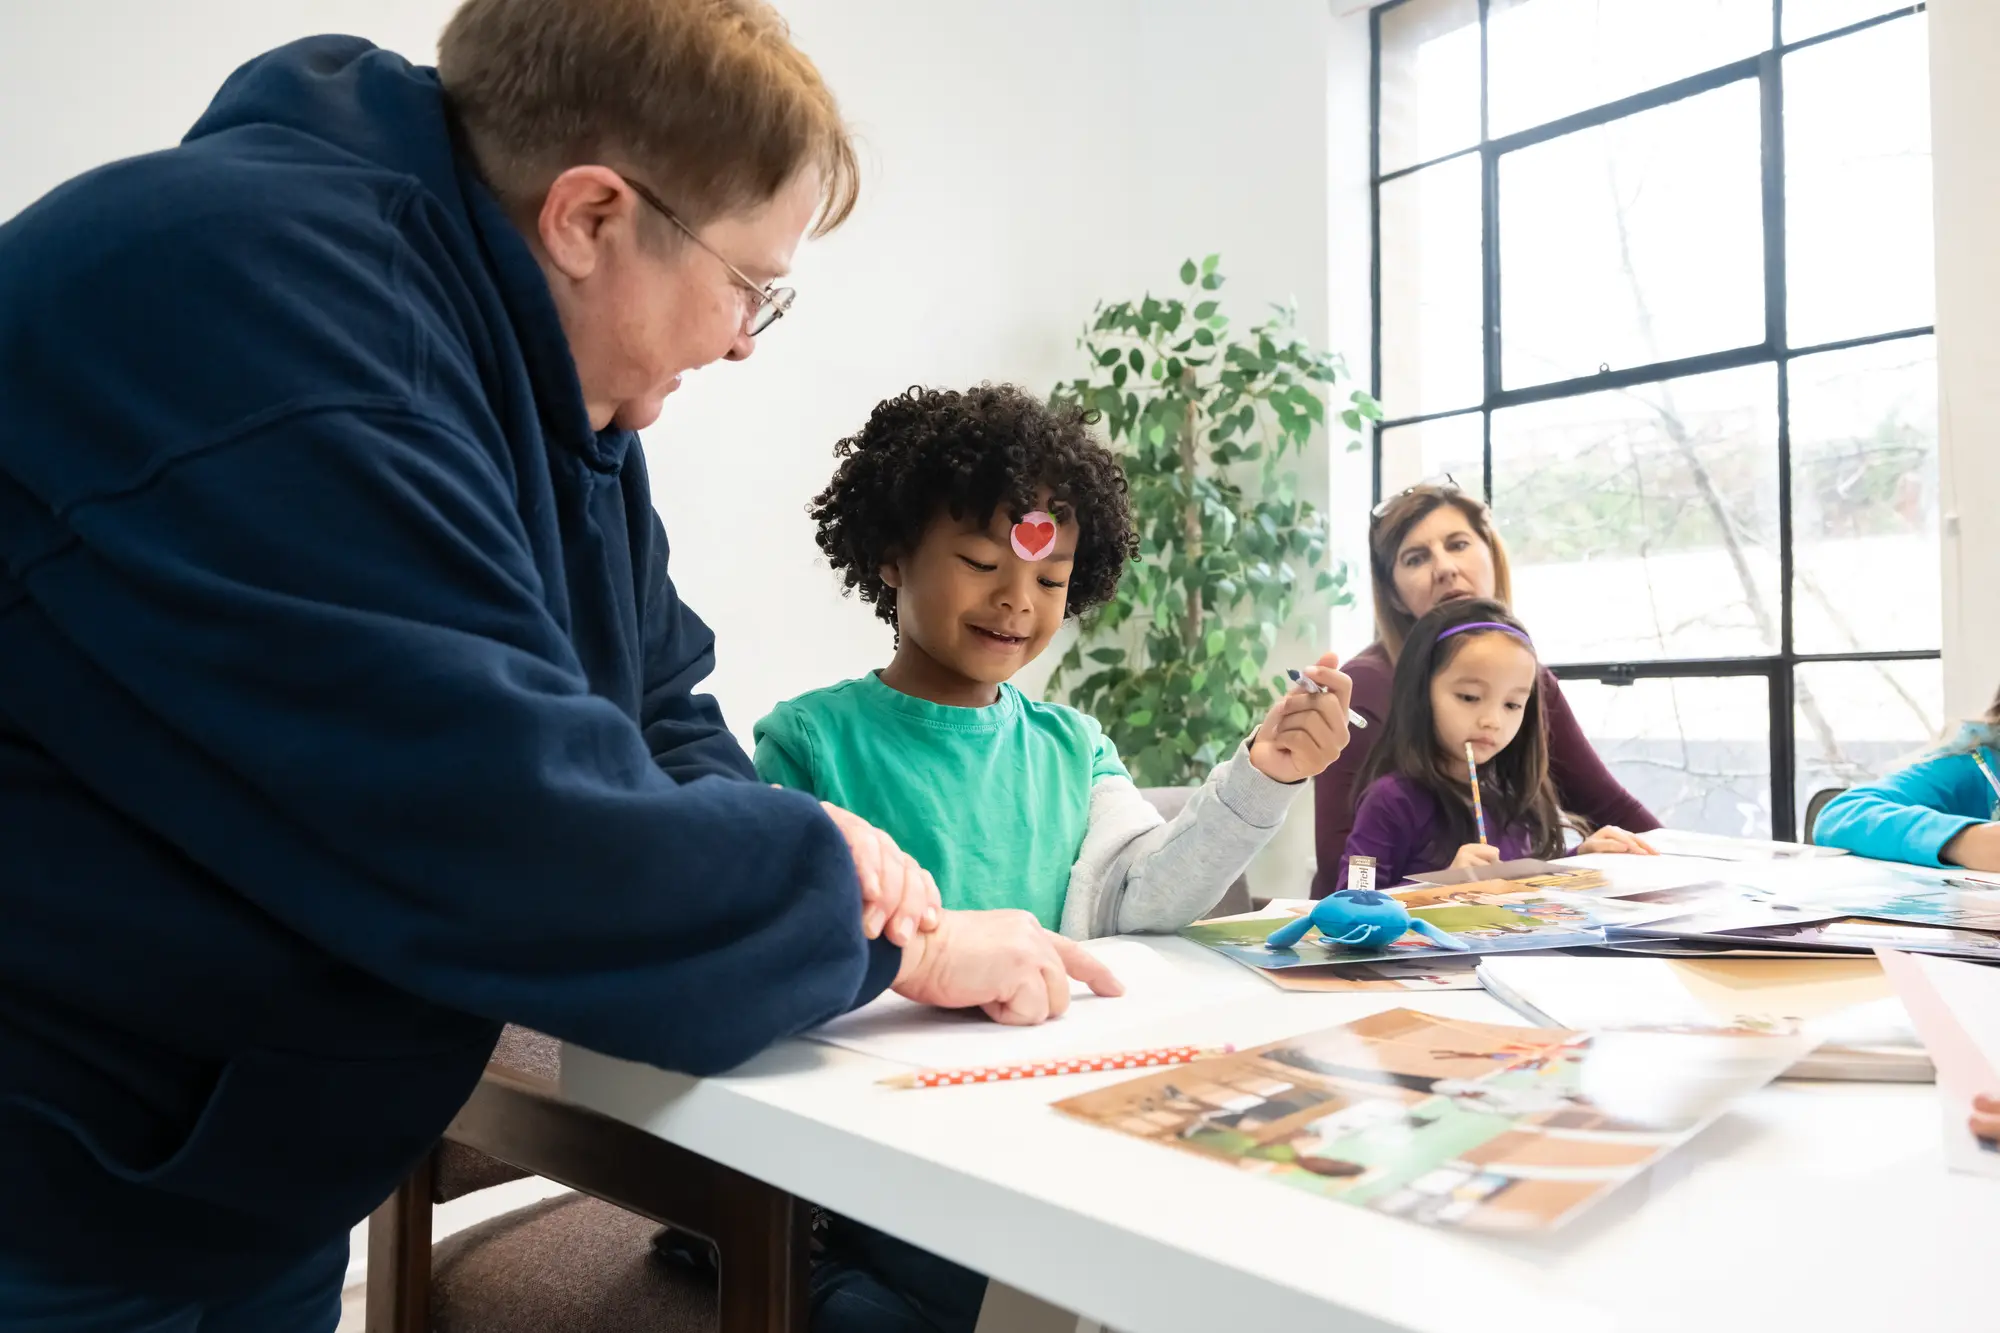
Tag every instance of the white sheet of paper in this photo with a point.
(892, 1028)
(1956, 1009)
(1717, 847)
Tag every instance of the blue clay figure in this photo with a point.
(1361, 919)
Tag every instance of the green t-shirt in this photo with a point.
(992, 801)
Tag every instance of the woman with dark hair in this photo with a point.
(1428, 546)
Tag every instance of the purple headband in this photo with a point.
(1487, 624)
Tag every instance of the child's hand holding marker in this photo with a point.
(1307, 728)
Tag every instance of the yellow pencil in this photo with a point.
(1478, 811)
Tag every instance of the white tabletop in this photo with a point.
(1810, 1205)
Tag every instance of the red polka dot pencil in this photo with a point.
(1075, 1064)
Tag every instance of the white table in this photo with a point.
(1817, 1206)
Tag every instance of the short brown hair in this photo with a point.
(1386, 531)
(707, 98)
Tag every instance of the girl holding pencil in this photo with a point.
(1460, 775)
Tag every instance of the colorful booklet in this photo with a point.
(1447, 1122)
(1488, 917)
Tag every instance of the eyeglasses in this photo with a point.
(772, 302)
(1449, 486)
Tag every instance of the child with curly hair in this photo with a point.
(975, 522)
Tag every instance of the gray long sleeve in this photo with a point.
(1138, 872)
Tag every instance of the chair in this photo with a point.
(1814, 805)
(582, 1263)
(1169, 801)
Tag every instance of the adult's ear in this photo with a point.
(583, 208)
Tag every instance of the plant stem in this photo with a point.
(1190, 516)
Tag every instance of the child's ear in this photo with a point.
(892, 573)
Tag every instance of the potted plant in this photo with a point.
(1177, 665)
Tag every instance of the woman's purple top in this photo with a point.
(1584, 786)
(1398, 825)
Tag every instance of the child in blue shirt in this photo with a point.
(1941, 811)
(975, 523)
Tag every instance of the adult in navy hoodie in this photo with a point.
(346, 705)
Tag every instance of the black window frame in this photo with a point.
(1767, 68)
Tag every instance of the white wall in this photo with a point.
(1965, 147)
(1024, 160)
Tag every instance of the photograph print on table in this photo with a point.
(1447, 1122)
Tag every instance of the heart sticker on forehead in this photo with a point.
(1034, 537)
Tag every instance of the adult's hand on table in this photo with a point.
(1004, 963)
(899, 898)
(1611, 838)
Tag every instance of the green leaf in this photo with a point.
(1187, 272)
(1351, 419)
(1247, 669)
(1136, 359)
(1139, 717)
(1107, 655)
(1204, 310)
(1216, 638)
(1211, 281)
(1208, 264)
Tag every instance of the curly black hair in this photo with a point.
(967, 453)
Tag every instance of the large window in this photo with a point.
(1655, 275)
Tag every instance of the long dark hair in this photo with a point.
(1515, 786)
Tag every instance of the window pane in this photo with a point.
(1433, 450)
(1548, 58)
(1696, 752)
(1865, 499)
(1858, 720)
(1809, 18)
(1432, 357)
(1430, 80)
(1643, 523)
(1635, 242)
(1858, 245)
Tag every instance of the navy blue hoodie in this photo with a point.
(346, 707)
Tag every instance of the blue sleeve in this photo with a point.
(784, 749)
(1384, 829)
(1909, 815)
(399, 757)
(684, 731)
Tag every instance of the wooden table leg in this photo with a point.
(399, 1258)
(765, 1258)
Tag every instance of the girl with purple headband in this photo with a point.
(1464, 707)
